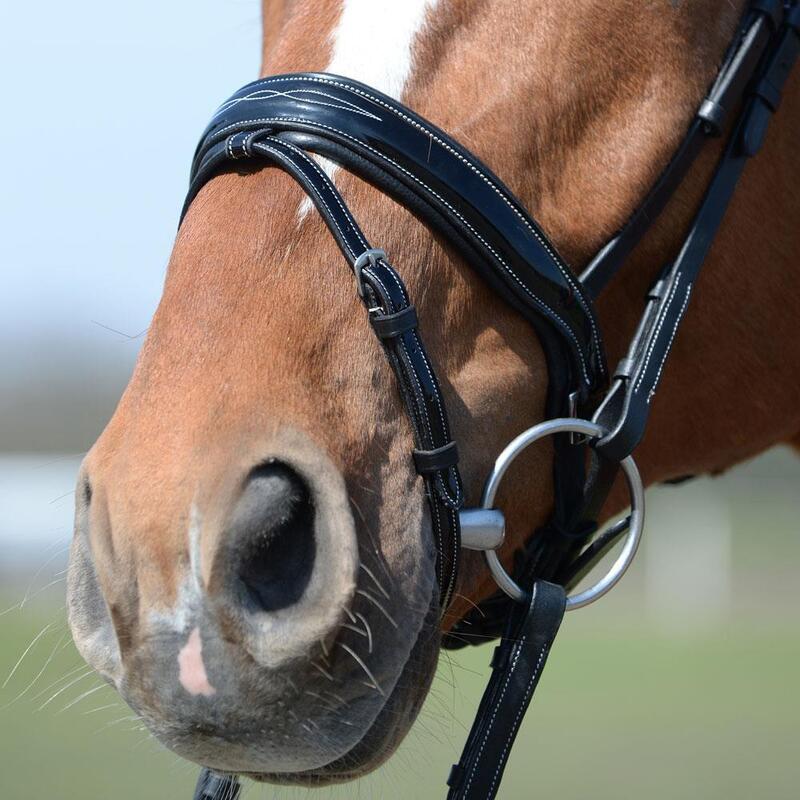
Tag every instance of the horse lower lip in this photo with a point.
(275, 748)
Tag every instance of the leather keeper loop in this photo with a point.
(713, 114)
(770, 94)
(455, 776)
(390, 326)
(499, 657)
(430, 461)
(239, 144)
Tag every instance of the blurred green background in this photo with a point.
(683, 682)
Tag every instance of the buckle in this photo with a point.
(572, 410)
(368, 258)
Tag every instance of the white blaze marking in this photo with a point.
(192, 671)
(194, 548)
(363, 27)
(190, 591)
(373, 43)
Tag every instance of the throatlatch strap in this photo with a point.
(516, 668)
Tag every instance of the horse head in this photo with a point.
(253, 564)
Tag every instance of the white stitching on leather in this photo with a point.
(452, 514)
(654, 340)
(260, 95)
(437, 539)
(284, 157)
(543, 242)
(669, 344)
(334, 192)
(248, 140)
(499, 258)
(447, 594)
(412, 372)
(422, 353)
(437, 395)
(457, 499)
(517, 718)
(494, 714)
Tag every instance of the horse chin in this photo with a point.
(387, 731)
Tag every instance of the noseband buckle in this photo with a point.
(367, 258)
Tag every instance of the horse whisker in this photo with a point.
(116, 722)
(319, 697)
(375, 549)
(27, 650)
(64, 689)
(101, 708)
(85, 694)
(363, 666)
(38, 572)
(365, 593)
(353, 628)
(78, 668)
(471, 602)
(377, 583)
(367, 630)
(38, 674)
(322, 670)
(47, 586)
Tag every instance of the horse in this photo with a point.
(253, 560)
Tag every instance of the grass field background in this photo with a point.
(639, 700)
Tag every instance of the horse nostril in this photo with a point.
(273, 536)
(85, 494)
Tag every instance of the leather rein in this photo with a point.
(281, 120)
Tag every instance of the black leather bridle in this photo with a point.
(281, 119)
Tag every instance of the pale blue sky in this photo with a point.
(102, 106)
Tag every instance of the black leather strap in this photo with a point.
(516, 669)
(392, 317)
(756, 67)
(625, 410)
(739, 65)
(370, 128)
(216, 786)
(424, 403)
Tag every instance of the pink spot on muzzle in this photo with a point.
(192, 673)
